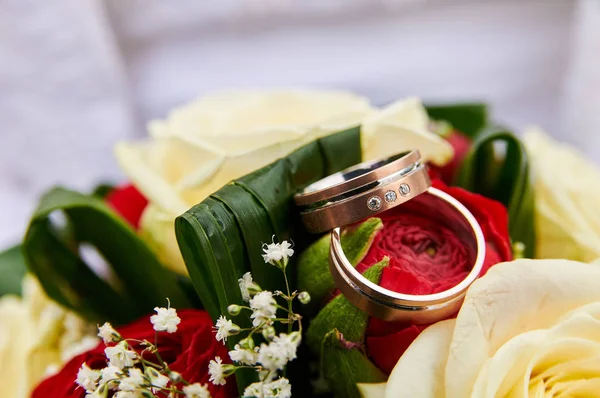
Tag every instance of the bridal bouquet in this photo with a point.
(198, 278)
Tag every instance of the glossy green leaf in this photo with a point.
(12, 270)
(497, 167)
(340, 314)
(71, 235)
(313, 264)
(469, 118)
(221, 238)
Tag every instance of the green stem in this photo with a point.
(289, 301)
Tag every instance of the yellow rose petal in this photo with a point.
(156, 167)
(566, 210)
(420, 371)
(513, 298)
(371, 390)
(403, 126)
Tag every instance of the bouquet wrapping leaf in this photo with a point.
(67, 223)
(503, 175)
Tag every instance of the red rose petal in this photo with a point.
(427, 257)
(188, 351)
(385, 350)
(129, 203)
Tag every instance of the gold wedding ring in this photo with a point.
(393, 306)
(370, 188)
(362, 191)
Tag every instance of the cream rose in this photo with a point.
(36, 338)
(567, 193)
(203, 145)
(528, 328)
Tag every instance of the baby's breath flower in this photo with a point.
(133, 382)
(196, 390)
(87, 378)
(263, 307)
(107, 333)
(268, 333)
(215, 370)
(128, 394)
(304, 297)
(100, 392)
(120, 355)
(110, 375)
(254, 390)
(279, 388)
(266, 376)
(166, 319)
(247, 286)
(277, 253)
(225, 328)
(288, 344)
(244, 356)
(175, 376)
(157, 379)
(271, 357)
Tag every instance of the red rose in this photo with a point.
(426, 257)
(187, 351)
(461, 145)
(128, 202)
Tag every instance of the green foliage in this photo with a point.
(67, 224)
(470, 118)
(340, 314)
(221, 237)
(337, 334)
(497, 166)
(313, 264)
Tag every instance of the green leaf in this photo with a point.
(12, 269)
(103, 190)
(497, 167)
(221, 238)
(313, 264)
(340, 314)
(68, 225)
(344, 364)
(469, 118)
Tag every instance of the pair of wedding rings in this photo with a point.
(370, 188)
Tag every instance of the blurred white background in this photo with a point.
(78, 75)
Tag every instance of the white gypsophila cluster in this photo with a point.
(196, 391)
(129, 375)
(276, 350)
(108, 334)
(120, 356)
(216, 371)
(245, 356)
(225, 328)
(247, 286)
(165, 320)
(264, 308)
(279, 388)
(277, 253)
